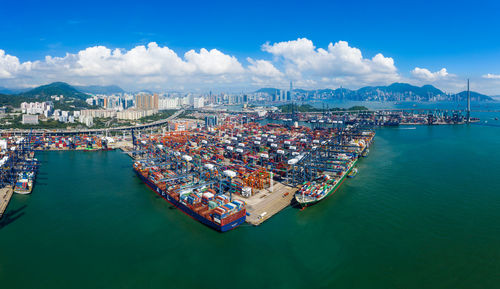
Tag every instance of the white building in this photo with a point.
(30, 119)
(87, 120)
(198, 102)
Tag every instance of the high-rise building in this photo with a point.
(146, 101)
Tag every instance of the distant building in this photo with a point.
(146, 101)
(87, 120)
(178, 125)
(30, 119)
(135, 114)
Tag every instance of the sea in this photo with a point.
(422, 212)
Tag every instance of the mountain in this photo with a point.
(393, 92)
(4, 90)
(98, 89)
(268, 90)
(55, 88)
(73, 99)
(400, 88)
(473, 95)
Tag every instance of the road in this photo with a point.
(93, 131)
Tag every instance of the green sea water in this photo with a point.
(423, 212)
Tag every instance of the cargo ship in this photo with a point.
(313, 192)
(24, 183)
(203, 204)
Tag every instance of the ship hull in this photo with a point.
(307, 203)
(22, 192)
(188, 211)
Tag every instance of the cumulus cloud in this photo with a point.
(338, 61)
(427, 75)
(491, 76)
(160, 67)
(10, 65)
(151, 64)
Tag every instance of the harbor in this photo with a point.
(236, 167)
(262, 167)
(112, 216)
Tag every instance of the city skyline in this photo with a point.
(205, 47)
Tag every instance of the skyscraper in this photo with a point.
(146, 101)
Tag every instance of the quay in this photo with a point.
(5, 196)
(239, 170)
(266, 204)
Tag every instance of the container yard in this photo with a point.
(237, 167)
(261, 167)
(18, 168)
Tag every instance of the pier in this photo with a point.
(266, 204)
(5, 196)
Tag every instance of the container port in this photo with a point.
(18, 168)
(232, 168)
(260, 165)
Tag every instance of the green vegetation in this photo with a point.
(159, 116)
(287, 108)
(187, 114)
(15, 121)
(56, 88)
(73, 99)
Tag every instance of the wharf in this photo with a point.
(265, 204)
(5, 196)
(128, 149)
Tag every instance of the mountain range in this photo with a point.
(395, 90)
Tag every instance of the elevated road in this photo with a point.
(157, 123)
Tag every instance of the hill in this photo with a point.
(395, 91)
(473, 95)
(98, 89)
(55, 88)
(73, 99)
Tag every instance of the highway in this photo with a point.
(93, 131)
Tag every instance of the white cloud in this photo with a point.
(153, 66)
(427, 75)
(263, 68)
(303, 60)
(10, 65)
(491, 76)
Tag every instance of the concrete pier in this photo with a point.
(5, 195)
(266, 204)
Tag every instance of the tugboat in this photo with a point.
(352, 173)
(365, 152)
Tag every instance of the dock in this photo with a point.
(266, 204)
(5, 196)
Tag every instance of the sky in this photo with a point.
(244, 45)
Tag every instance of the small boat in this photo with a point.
(352, 173)
(365, 152)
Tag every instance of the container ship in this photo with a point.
(24, 183)
(199, 202)
(313, 192)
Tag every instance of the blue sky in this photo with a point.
(455, 35)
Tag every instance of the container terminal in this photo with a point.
(244, 168)
(225, 173)
(18, 168)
